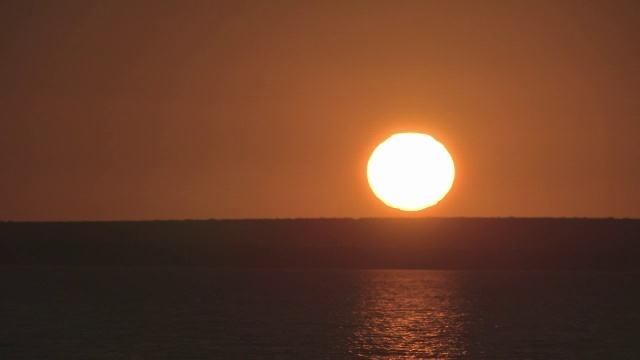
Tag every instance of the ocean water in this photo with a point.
(202, 313)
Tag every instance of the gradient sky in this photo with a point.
(270, 109)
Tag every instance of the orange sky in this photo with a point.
(232, 109)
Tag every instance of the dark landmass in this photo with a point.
(433, 243)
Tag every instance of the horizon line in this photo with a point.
(329, 218)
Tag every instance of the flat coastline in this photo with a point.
(571, 244)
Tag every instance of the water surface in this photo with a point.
(202, 313)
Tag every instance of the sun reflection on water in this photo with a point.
(405, 316)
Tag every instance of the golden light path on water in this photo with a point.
(405, 316)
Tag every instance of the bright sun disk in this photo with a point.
(410, 171)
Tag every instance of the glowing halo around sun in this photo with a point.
(410, 171)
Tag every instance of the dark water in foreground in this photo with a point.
(198, 313)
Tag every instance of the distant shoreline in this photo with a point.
(569, 244)
(322, 218)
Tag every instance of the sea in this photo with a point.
(206, 313)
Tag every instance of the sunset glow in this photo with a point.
(410, 171)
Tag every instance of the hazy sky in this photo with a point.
(270, 109)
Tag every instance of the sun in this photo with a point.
(410, 171)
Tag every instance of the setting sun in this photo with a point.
(410, 171)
